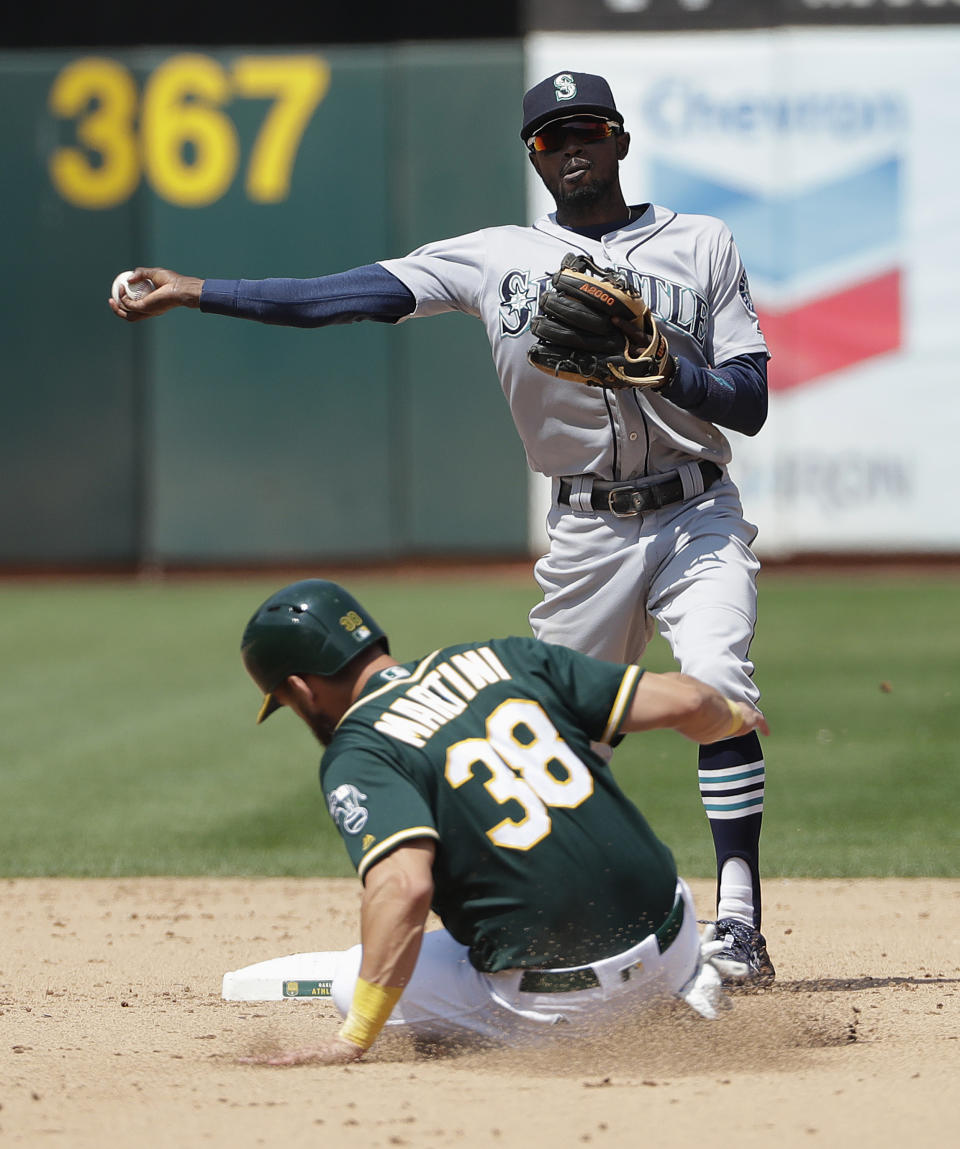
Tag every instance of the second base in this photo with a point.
(296, 975)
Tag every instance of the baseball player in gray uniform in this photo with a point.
(465, 781)
(646, 528)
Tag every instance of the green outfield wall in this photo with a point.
(196, 439)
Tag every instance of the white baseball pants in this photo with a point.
(448, 1000)
(686, 568)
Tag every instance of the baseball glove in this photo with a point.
(594, 328)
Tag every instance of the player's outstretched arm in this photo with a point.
(368, 292)
(687, 705)
(397, 894)
(170, 290)
(396, 900)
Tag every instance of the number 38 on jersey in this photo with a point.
(526, 761)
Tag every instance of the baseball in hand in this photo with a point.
(130, 287)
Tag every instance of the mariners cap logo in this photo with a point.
(565, 85)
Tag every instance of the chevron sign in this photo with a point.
(823, 262)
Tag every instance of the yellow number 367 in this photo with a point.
(178, 134)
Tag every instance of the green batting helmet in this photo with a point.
(309, 627)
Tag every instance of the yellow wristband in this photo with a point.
(369, 1010)
(736, 720)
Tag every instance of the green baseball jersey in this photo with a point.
(541, 859)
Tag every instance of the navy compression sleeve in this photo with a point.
(369, 292)
(733, 395)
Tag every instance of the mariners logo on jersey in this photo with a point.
(345, 808)
(676, 305)
(518, 299)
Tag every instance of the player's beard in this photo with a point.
(322, 727)
(582, 198)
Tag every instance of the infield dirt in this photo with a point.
(113, 1033)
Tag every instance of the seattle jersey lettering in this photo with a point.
(442, 694)
(680, 307)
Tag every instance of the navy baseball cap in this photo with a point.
(565, 95)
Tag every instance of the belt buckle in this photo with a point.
(628, 506)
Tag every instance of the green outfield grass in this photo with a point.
(128, 744)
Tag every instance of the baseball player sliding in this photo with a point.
(465, 781)
(625, 339)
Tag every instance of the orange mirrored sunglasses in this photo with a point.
(551, 136)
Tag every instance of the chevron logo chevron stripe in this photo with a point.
(850, 326)
(823, 260)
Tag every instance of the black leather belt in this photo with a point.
(584, 977)
(634, 496)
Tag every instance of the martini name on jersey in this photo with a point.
(440, 695)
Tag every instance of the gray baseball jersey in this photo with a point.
(689, 271)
